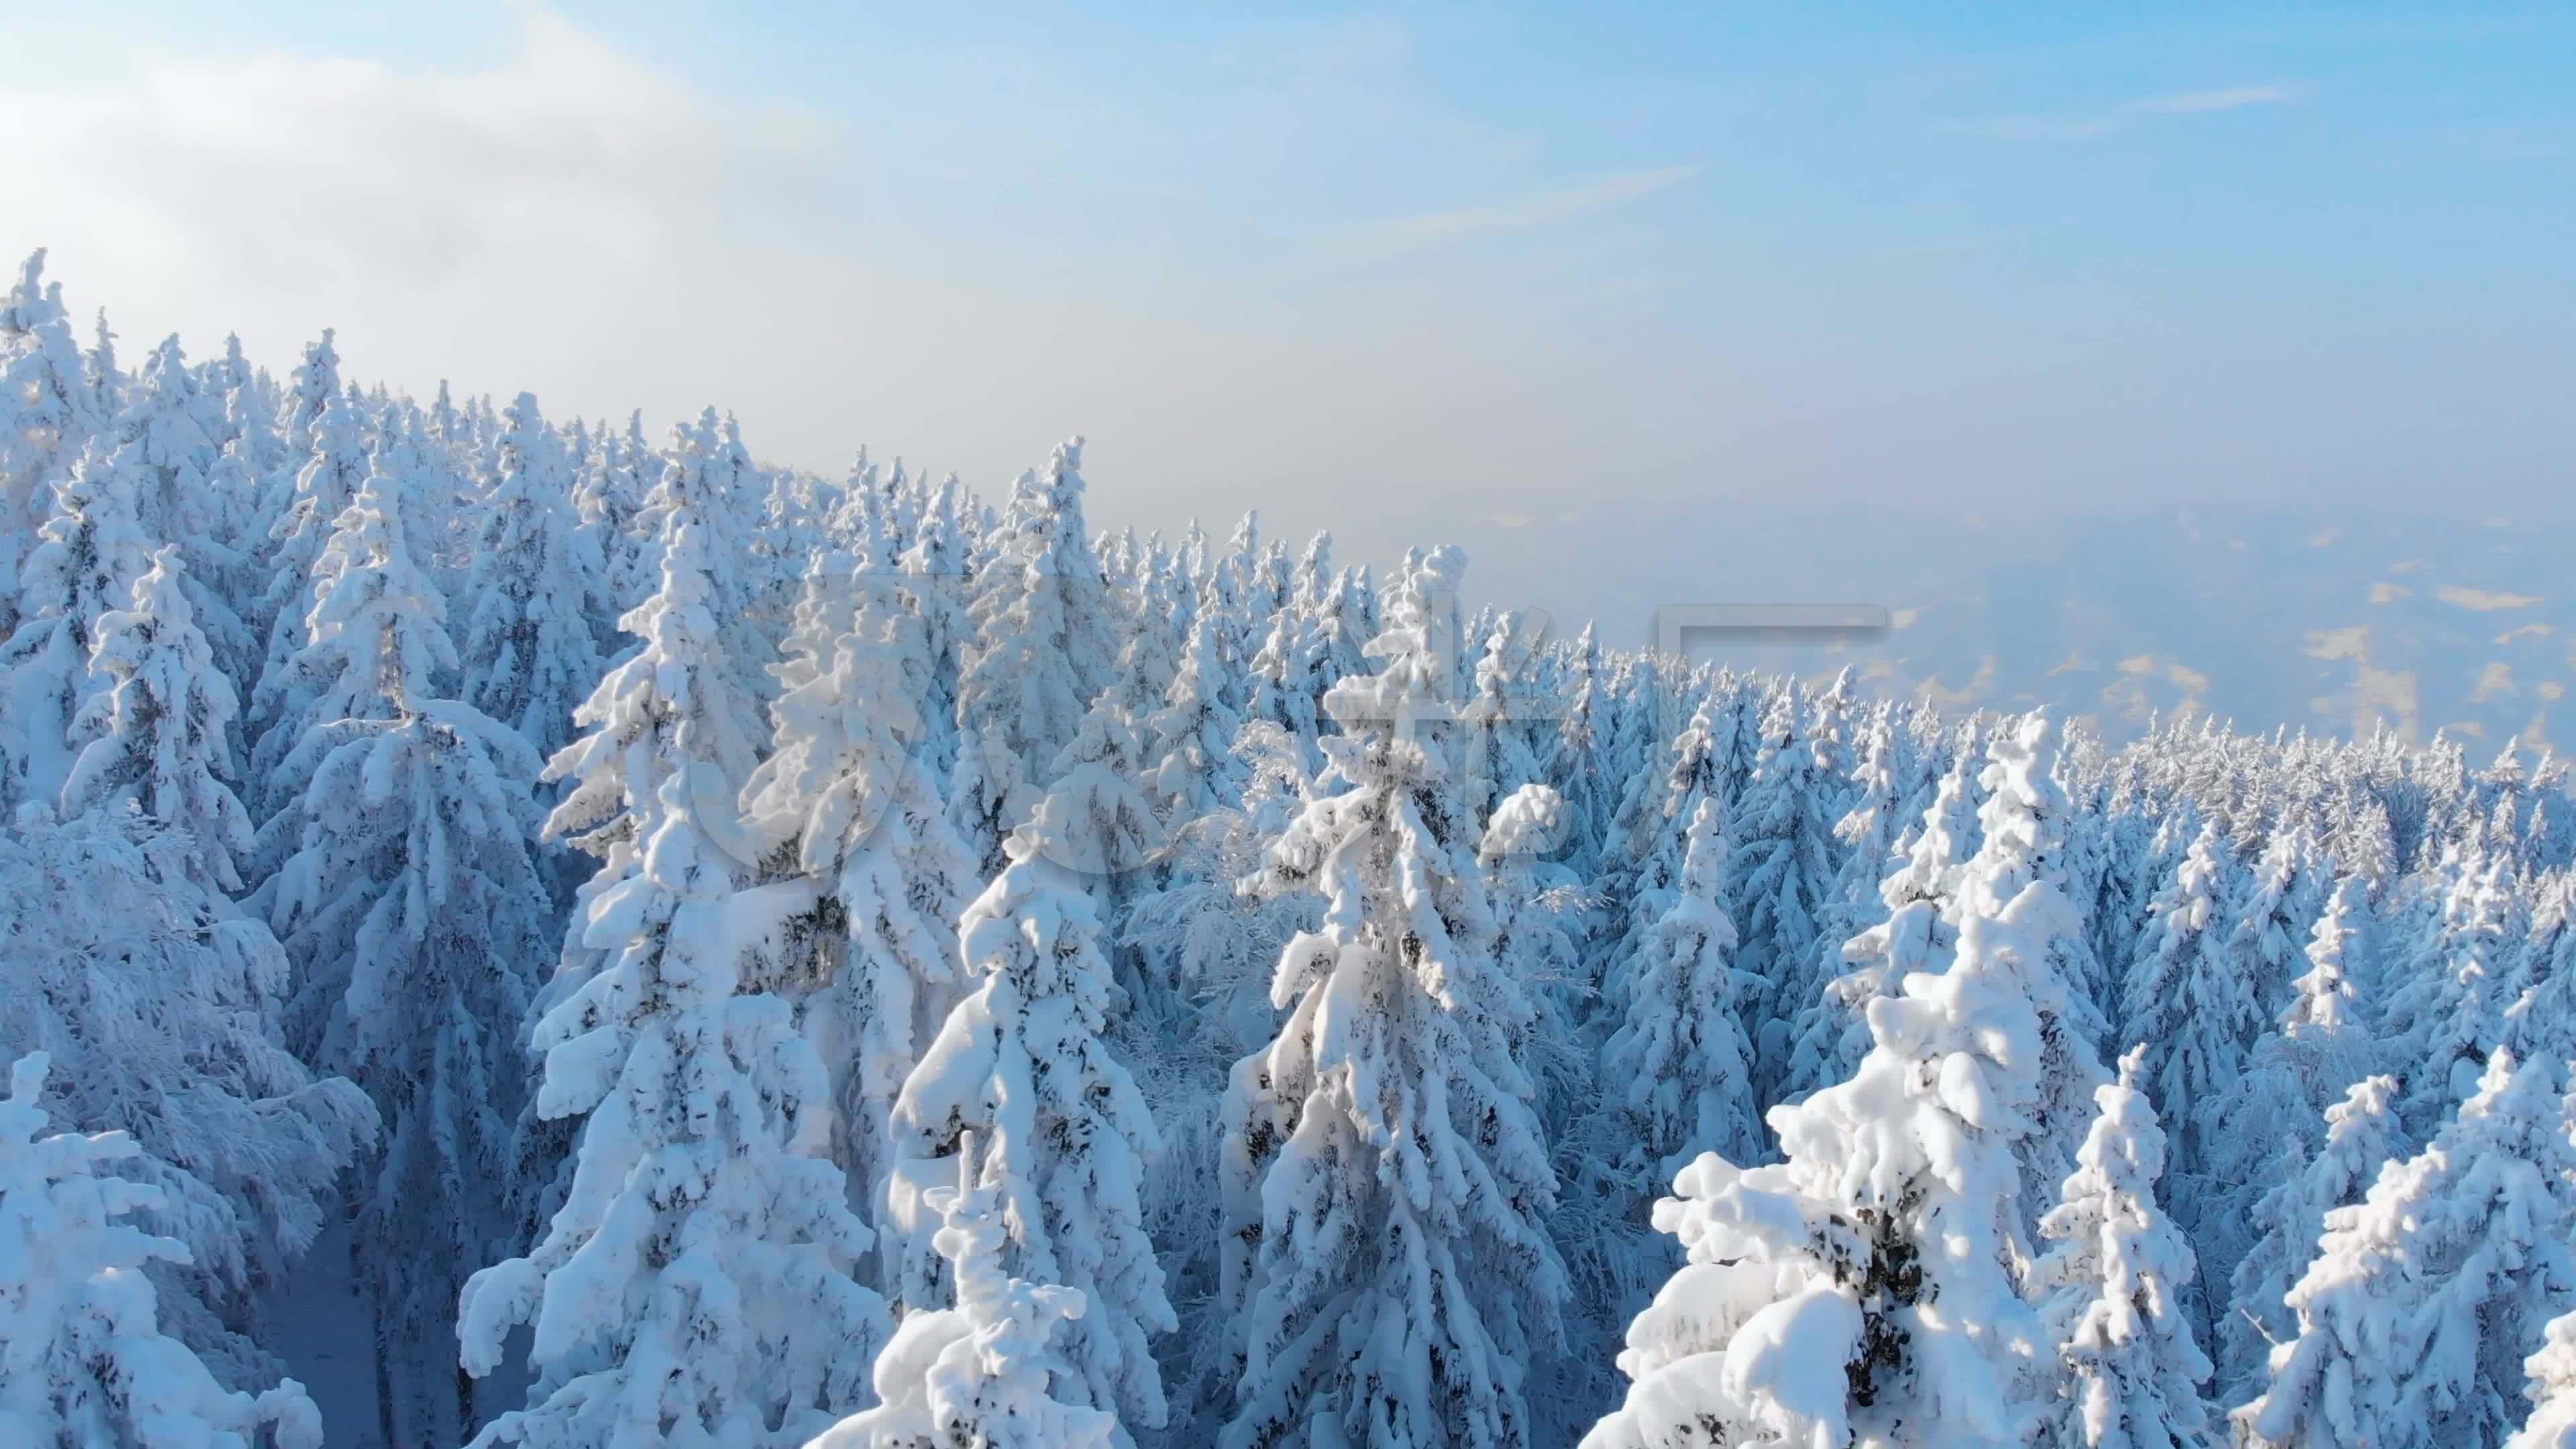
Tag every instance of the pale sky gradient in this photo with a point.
(1403, 271)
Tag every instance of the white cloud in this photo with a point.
(2482, 600)
(566, 217)
(1385, 240)
(2126, 115)
(567, 214)
(2202, 103)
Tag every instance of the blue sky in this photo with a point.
(1430, 266)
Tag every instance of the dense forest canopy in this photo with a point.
(746, 958)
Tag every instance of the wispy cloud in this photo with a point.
(2127, 115)
(1377, 241)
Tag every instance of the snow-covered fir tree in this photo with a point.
(2130, 1372)
(1785, 862)
(1384, 1142)
(45, 417)
(695, 1285)
(706, 1111)
(2293, 1077)
(978, 1372)
(334, 463)
(2021, 861)
(527, 648)
(1045, 634)
(162, 436)
(2361, 1134)
(417, 913)
(2188, 1004)
(1870, 1285)
(1914, 933)
(1194, 731)
(374, 639)
(1680, 1062)
(245, 1141)
(678, 707)
(848, 791)
(2426, 1296)
(86, 560)
(158, 737)
(1021, 1063)
(2448, 1012)
(83, 1359)
(2552, 1390)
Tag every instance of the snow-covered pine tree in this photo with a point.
(414, 909)
(932, 581)
(846, 789)
(1278, 688)
(1150, 658)
(1538, 911)
(2269, 924)
(2540, 1022)
(2361, 1135)
(45, 418)
(105, 380)
(2272, 1122)
(2023, 843)
(604, 502)
(2361, 841)
(87, 1363)
(1914, 933)
(239, 479)
(161, 437)
(1233, 600)
(2446, 1013)
(1786, 865)
(374, 638)
(1680, 1061)
(1194, 732)
(979, 1372)
(2552, 1391)
(530, 656)
(706, 476)
(159, 737)
(1577, 753)
(1021, 1063)
(334, 462)
(1046, 637)
(2196, 1015)
(1384, 1170)
(1646, 844)
(1866, 1287)
(1336, 647)
(244, 1141)
(1108, 829)
(633, 552)
(2130, 1372)
(678, 706)
(85, 563)
(311, 390)
(2426, 1296)
(695, 1286)
(1498, 719)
